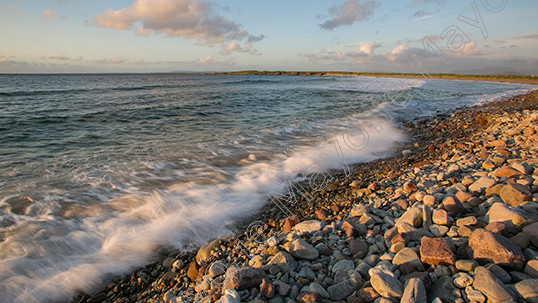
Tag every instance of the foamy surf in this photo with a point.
(183, 216)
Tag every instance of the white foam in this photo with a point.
(48, 268)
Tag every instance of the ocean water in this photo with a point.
(98, 171)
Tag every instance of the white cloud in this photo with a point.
(190, 19)
(348, 13)
(368, 48)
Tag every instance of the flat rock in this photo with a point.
(514, 194)
(309, 226)
(466, 265)
(507, 172)
(528, 290)
(500, 212)
(486, 246)
(299, 248)
(436, 251)
(482, 184)
(467, 221)
(284, 261)
(414, 291)
(385, 283)
(491, 286)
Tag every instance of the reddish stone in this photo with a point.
(507, 172)
(398, 238)
(486, 246)
(350, 230)
(374, 187)
(267, 289)
(308, 296)
(368, 294)
(192, 272)
(290, 222)
(322, 214)
(336, 208)
(484, 153)
(409, 187)
(272, 223)
(436, 251)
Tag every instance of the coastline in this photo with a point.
(500, 78)
(170, 277)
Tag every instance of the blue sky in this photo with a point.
(480, 36)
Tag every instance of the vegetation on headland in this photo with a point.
(499, 78)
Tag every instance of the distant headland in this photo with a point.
(495, 78)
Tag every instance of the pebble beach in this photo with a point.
(451, 217)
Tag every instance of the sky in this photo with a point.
(414, 36)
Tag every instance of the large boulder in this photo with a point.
(486, 246)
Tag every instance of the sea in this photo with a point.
(99, 171)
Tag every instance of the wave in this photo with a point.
(124, 232)
(25, 93)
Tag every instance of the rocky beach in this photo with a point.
(452, 218)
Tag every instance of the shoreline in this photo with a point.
(487, 78)
(170, 276)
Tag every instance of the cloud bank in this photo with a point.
(190, 19)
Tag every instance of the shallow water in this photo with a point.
(97, 171)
